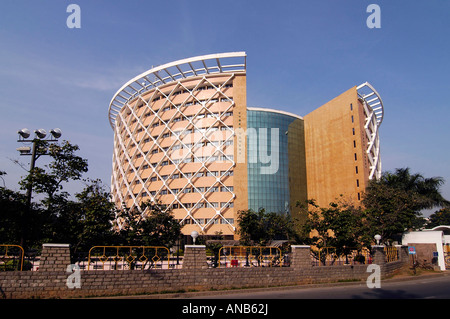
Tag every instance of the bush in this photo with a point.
(14, 264)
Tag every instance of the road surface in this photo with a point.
(432, 287)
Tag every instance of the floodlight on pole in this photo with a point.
(56, 133)
(24, 134)
(40, 133)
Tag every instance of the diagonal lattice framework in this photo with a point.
(374, 112)
(127, 121)
(128, 147)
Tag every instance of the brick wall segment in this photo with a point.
(52, 283)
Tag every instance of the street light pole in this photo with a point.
(30, 182)
(25, 151)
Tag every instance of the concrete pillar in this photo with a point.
(194, 257)
(301, 256)
(403, 254)
(54, 257)
(379, 256)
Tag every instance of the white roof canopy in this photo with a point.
(174, 71)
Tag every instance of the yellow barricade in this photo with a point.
(129, 257)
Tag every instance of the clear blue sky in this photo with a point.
(301, 54)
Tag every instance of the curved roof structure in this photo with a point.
(367, 92)
(174, 71)
(262, 109)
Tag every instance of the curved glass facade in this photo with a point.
(276, 161)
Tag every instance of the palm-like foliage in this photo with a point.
(395, 201)
(426, 188)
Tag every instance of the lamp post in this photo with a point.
(194, 235)
(377, 238)
(24, 134)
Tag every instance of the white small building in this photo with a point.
(440, 236)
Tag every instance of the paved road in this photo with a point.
(433, 287)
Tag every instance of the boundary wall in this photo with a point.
(52, 278)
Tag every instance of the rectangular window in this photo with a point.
(213, 173)
(227, 189)
(225, 173)
(229, 220)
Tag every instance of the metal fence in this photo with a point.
(251, 256)
(126, 257)
(391, 253)
(14, 258)
(11, 257)
(330, 256)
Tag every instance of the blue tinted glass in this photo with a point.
(268, 188)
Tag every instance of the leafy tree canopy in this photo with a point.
(395, 201)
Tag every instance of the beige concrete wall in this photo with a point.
(335, 158)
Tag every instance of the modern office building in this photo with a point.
(184, 136)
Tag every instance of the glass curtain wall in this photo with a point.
(268, 161)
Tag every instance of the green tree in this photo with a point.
(86, 222)
(65, 166)
(154, 227)
(13, 228)
(440, 217)
(261, 227)
(339, 225)
(395, 201)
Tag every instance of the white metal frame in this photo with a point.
(175, 71)
(374, 113)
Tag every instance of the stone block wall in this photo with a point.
(51, 279)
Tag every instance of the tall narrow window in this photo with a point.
(356, 167)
